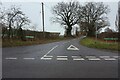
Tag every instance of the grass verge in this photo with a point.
(91, 42)
(14, 43)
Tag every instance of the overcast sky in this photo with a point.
(32, 9)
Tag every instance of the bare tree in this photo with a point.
(9, 17)
(20, 21)
(93, 15)
(14, 19)
(3, 26)
(66, 14)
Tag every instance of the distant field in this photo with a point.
(91, 42)
(13, 43)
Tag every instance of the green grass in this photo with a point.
(14, 43)
(90, 42)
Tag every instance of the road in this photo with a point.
(0, 61)
(54, 60)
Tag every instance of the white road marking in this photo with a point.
(46, 58)
(93, 59)
(71, 47)
(62, 59)
(79, 59)
(11, 58)
(62, 56)
(109, 59)
(29, 58)
(115, 56)
(76, 56)
(49, 52)
(90, 56)
(104, 56)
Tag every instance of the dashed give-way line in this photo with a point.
(74, 58)
(65, 58)
(29, 58)
(11, 58)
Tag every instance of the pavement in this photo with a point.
(64, 59)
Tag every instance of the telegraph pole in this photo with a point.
(43, 19)
(119, 20)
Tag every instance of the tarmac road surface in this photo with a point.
(64, 59)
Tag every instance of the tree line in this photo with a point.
(87, 16)
(12, 20)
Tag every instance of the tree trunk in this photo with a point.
(9, 31)
(20, 34)
(92, 30)
(68, 32)
(3, 32)
(91, 33)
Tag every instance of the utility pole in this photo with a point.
(119, 16)
(43, 19)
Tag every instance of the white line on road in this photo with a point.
(115, 56)
(49, 51)
(94, 59)
(104, 56)
(62, 59)
(29, 58)
(79, 59)
(109, 59)
(11, 58)
(62, 56)
(76, 56)
(90, 56)
(71, 47)
(46, 58)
